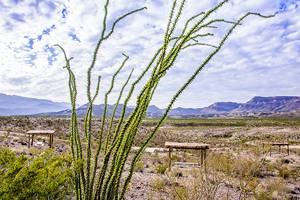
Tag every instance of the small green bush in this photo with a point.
(47, 176)
(158, 184)
(284, 172)
(161, 168)
(139, 166)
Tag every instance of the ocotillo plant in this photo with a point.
(99, 174)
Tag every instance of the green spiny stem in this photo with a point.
(130, 141)
(198, 44)
(117, 148)
(121, 18)
(94, 59)
(88, 131)
(115, 162)
(206, 15)
(115, 109)
(192, 30)
(116, 143)
(123, 153)
(166, 36)
(102, 38)
(113, 176)
(121, 162)
(187, 83)
(106, 98)
(189, 21)
(74, 135)
(104, 119)
(105, 161)
(176, 19)
(111, 188)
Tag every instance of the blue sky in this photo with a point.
(261, 58)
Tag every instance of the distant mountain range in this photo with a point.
(256, 107)
(17, 105)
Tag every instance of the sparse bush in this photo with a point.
(158, 184)
(139, 166)
(284, 172)
(201, 184)
(180, 193)
(272, 189)
(48, 176)
(161, 168)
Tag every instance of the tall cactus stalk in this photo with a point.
(99, 174)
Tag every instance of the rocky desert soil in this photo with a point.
(237, 166)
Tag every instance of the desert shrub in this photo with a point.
(221, 163)
(139, 166)
(6, 157)
(284, 172)
(48, 176)
(175, 157)
(161, 168)
(180, 193)
(158, 184)
(244, 172)
(272, 189)
(201, 184)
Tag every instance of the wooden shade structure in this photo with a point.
(195, 146)
(48, 133)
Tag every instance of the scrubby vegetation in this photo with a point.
(237, 165)
(44, 175)
(99, 162)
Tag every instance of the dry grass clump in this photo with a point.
(158, 184)
(226, 174)
(139, 167)
(271, 189)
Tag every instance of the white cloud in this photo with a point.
(261, 58)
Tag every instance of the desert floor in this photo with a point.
(237, 166)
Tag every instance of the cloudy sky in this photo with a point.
(261, 58)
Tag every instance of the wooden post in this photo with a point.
(32, 139)
(170, 158)
(288, 149)
(201, 157)
(28, 141)
(49, 140)
(204, 156)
